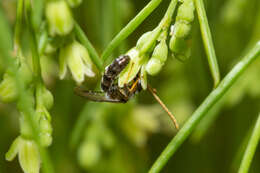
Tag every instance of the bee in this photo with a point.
(111, 92)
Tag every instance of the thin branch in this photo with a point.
(251, 148)
(207, 40)
(203, 109)
(153, 92)
(130, 27)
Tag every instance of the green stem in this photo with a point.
(130, 27)
(251, 148)
(85, 41)
(207, 40)
(203, 109)
(18, 25)
(33, 42)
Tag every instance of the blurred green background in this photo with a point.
(129, 137)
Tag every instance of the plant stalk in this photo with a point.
(251, 148)
(203, 109)
(207, 40)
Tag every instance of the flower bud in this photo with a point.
(144, 39)
(180, 48)
(161, 51)
(89, 154)
(59, 18)
(74, 3)
(29, 156)
(182, 29)
(45, 132)
(47, 98)
(154, 66)
(186, 12)
(8, 90)
(77, 58)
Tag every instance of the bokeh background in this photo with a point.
(127, 138)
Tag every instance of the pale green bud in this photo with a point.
(144, 39)
(177, 44)
(45, 132)
(29, 156)
(74, 3)
(180, 48)
(47, 98)
(181, 29)
(154, 66)
(8, 90)
(59, 17)
(77, 58)
(89, 154)
(186, 12)
(161, 51)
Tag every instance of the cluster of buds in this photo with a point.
(151, 51)
(41, 100)
(71, 53)
(181, 29)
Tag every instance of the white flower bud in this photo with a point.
(77, 58)
(29, 156)
(154, 66)
(161, 51)
(146, 37)
(59, 18)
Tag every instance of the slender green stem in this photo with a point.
(203, 109)
(204, 125)
(251, 147)
(33, 42)
(37, 10)
(85, 41)
(130, 27)
(18, 25)
(207, 40)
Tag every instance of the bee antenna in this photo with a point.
(153, 92)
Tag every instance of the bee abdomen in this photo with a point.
(113, 70)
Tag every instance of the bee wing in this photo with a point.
(96, 96)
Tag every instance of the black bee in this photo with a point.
(111, 91)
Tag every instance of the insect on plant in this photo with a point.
(115, 94)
